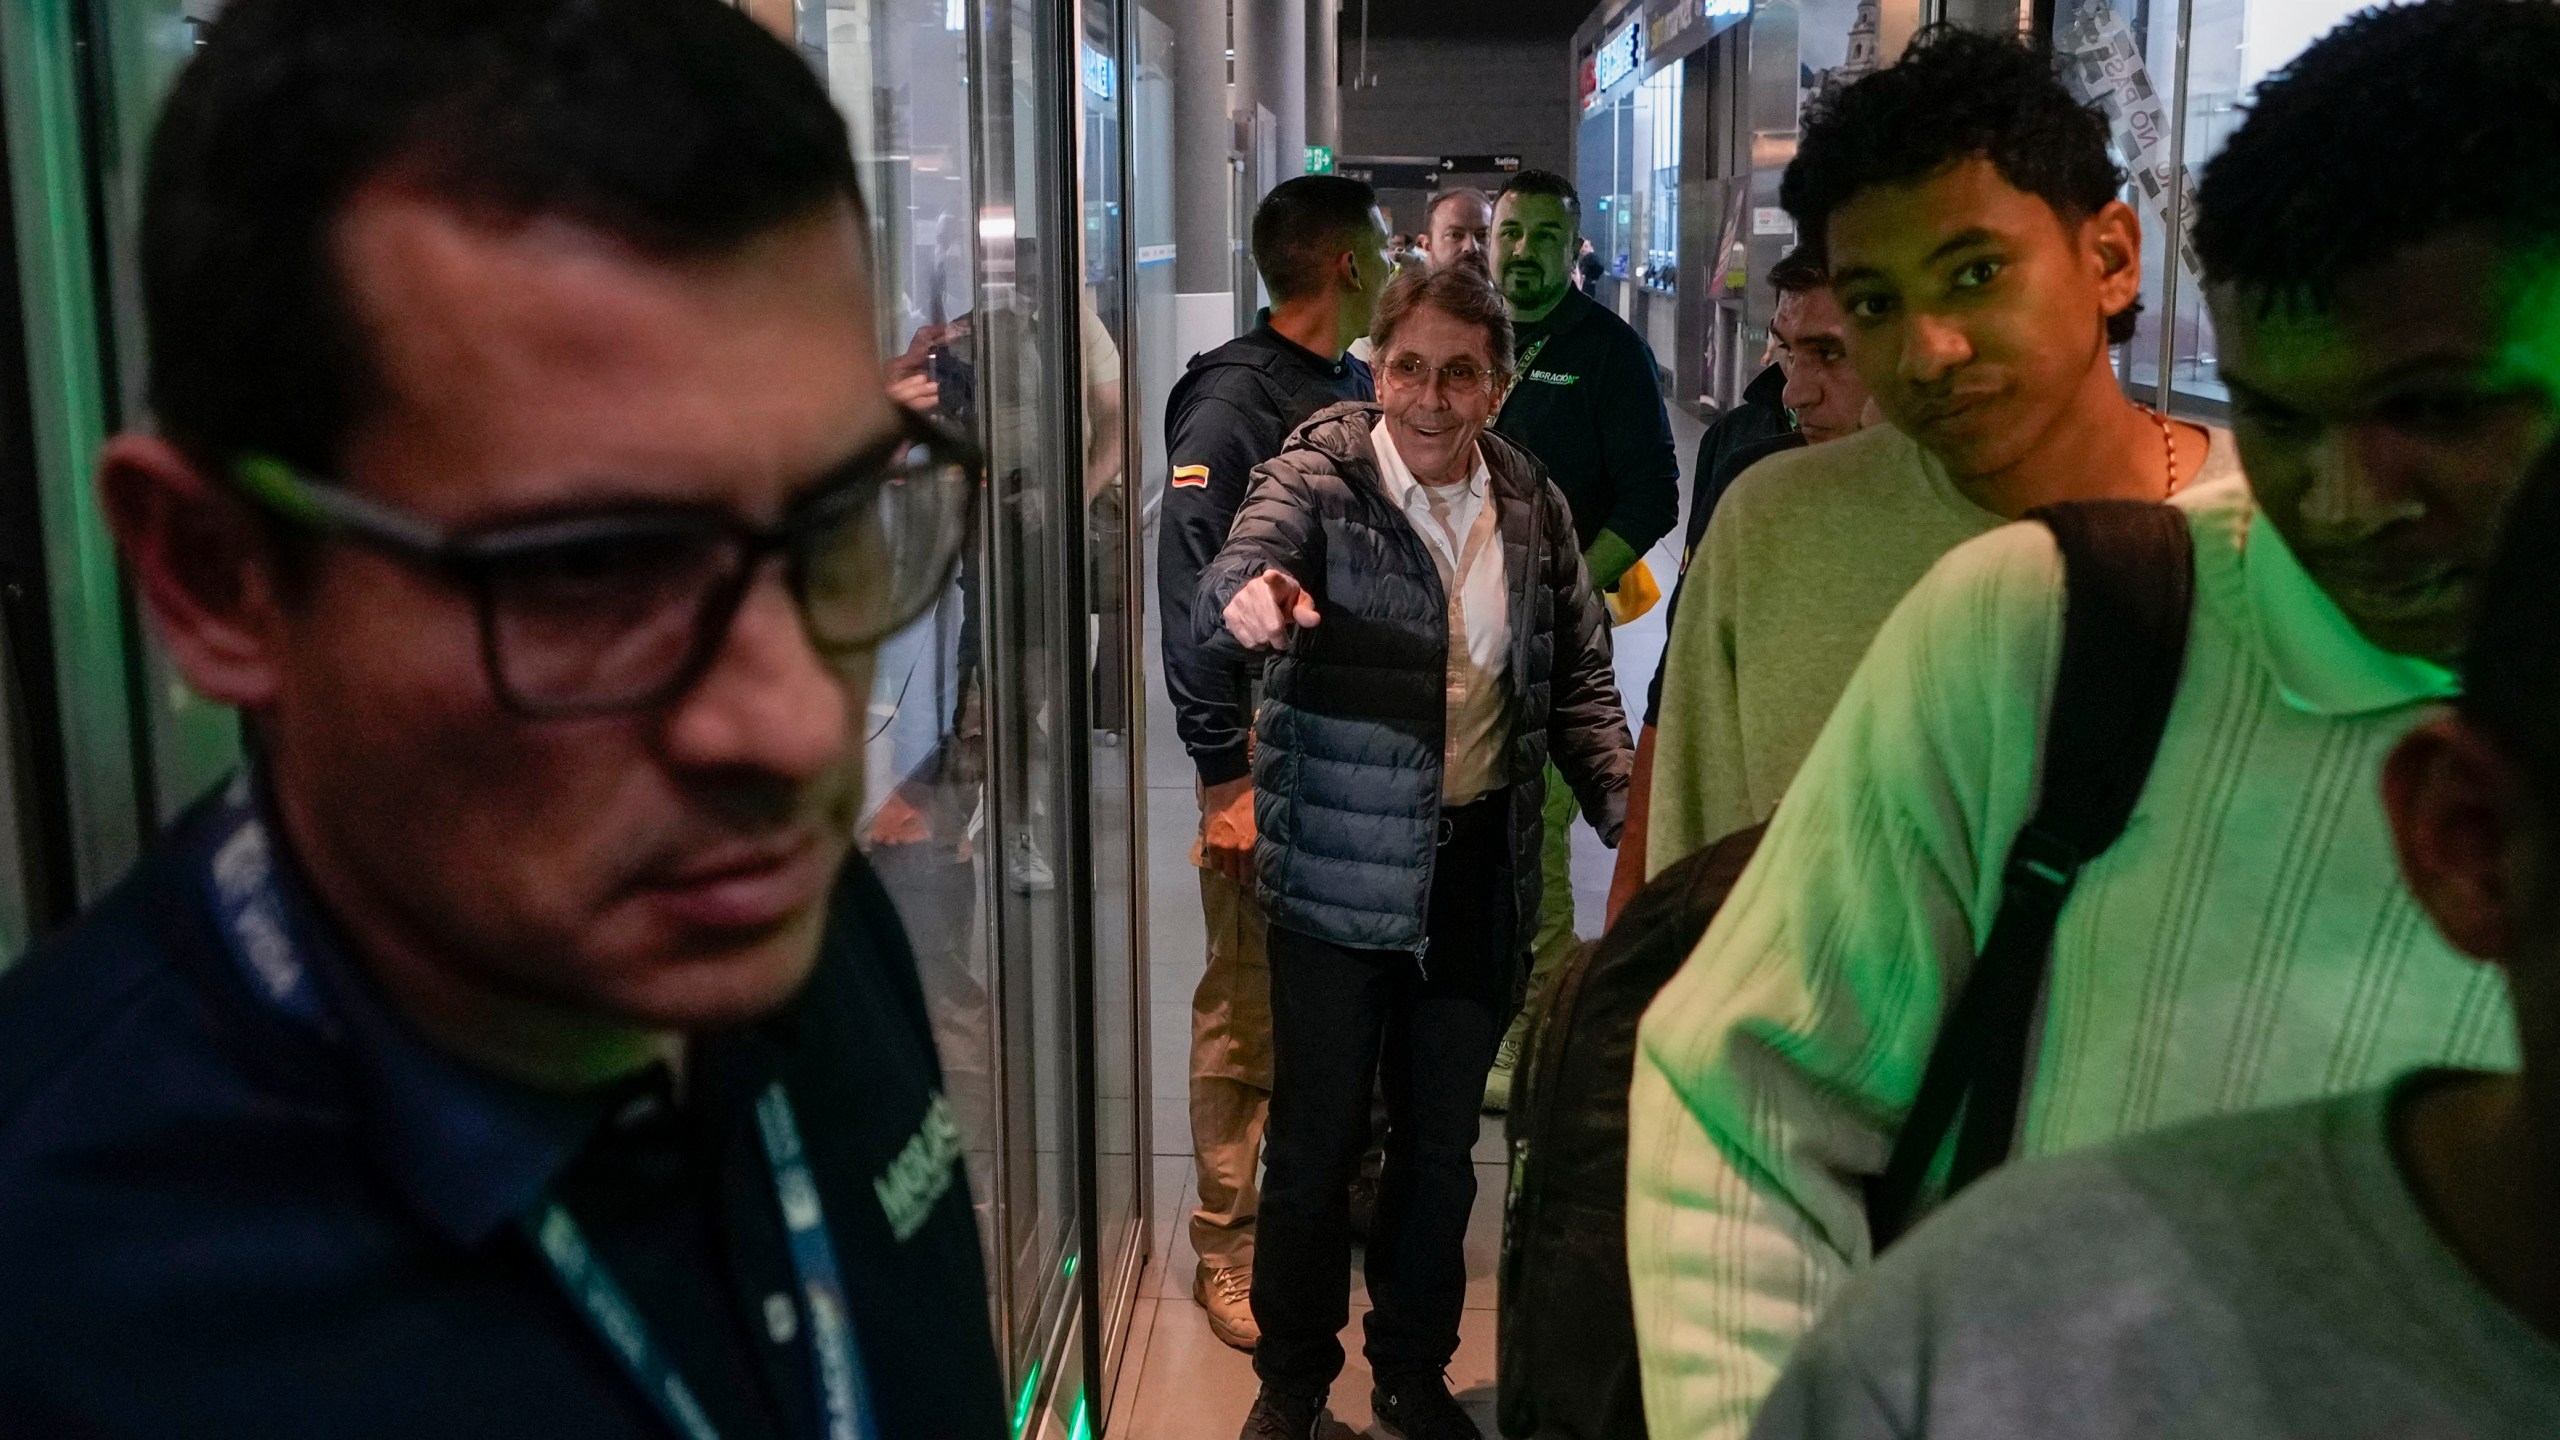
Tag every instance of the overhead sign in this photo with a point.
(1391, 174)
(1319, 160)
(1479, 164)
(1673, 28)
(1098, 73)
(1618, 58)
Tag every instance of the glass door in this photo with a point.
(1112, 443)
(1003, 726)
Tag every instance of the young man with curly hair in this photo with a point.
(2384, 316)
(2379, 1264)
(1966, 210)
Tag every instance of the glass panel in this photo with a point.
(1026, 271)
(1112, 642)
(193, 743)
(50, 133)
(898, 69)
(16, 924)
(1616, 233)
(1662, 169)
(2119, 56)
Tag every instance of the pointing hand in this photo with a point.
(1262, 613)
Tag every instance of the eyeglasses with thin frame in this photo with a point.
(1458, 377)
(624, 609)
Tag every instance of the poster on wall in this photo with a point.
(1837, 41)
(2103, 66)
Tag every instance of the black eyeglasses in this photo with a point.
(620, 611)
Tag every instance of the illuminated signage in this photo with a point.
(1098, 73)
(1723, 9)
(1618, 57)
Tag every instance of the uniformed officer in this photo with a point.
(516, 1049)
(1588, 404)
(1321, 246)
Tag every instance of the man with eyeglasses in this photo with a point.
(1589, 405)
(1320, 244)
(516, 1047)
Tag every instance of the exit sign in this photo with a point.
(1319, 160)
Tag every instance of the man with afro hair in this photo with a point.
(2380, 244)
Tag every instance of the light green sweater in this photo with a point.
(2248, 942)
(1807, 554)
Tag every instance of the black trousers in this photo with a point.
(1424, 1032)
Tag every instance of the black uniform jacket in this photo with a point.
(1588, 403)
(217, 1221)
(1228, 413)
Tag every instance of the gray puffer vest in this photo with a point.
(1347, 760)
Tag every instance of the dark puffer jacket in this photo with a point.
(1347, 760)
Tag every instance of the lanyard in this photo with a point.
(610, 1313)
(240, 878)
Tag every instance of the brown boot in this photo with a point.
(1226, 1292)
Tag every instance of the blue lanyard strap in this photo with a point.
(240, 880)
(610, 1312)
(842, 1387)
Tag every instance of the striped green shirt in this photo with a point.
(2248, 942)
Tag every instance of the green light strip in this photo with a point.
(1022, 1404)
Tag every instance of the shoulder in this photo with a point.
(1243, 372)
(1512, 463)
(145, 1106)
(88, 1002)
(2180, 1207)
(1821, 495)
(1204, 404)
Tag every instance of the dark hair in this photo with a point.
(2399, 125)
(2511, 670)
(1298, 230)
(1544, 182)
(677, 126)
(1460, 292)
(1455, 192)
(1800, 272)
(1956, 95)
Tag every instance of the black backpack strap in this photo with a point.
(2129, 587)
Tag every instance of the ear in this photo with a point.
(2112, 240)
(2456, 805)
(1346, 272)
(200, 566)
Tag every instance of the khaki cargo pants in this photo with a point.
(1230, 1072)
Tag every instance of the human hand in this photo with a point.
(1226, 829)
(918, 392)
(898, 822)
(1261, 614)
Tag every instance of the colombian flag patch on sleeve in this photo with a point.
(1195, 477)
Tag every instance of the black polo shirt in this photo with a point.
(216, 1222)
(1588, 403)
(1231, 410)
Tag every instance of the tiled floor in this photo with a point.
(1176, 1381)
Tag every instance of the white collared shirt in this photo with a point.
(1471, 573)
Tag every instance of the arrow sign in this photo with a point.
(1480, 164)
(1390, 176)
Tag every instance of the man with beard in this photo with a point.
(1588, 404)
